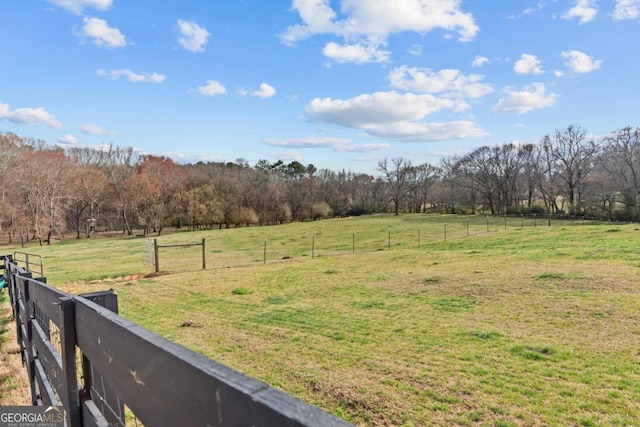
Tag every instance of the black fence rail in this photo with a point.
(106, 371)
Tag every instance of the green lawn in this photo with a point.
(518, 325)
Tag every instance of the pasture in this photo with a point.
(382, 321)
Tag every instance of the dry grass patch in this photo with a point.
(14, 384)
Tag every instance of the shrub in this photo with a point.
(321, 210)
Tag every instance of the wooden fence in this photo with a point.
(105, 370)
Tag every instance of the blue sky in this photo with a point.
(340, 84)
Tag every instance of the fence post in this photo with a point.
(156, 255)
(313, 247)
(418, 236)
(204, 255)
(106, 299)
(389, 241)
(445, 231)
(71, 398)
(92, 378)
(467, 227)
(353, 243)
(264, 252)
(487, 223)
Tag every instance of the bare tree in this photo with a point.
(120, 166)
(421, 179)
(12, 147)
(527, 178)
(88, 190)
(397, 176)
(621, 161)
(481, 173)
(202, 207)
(301, 195)
(457, 187)
(574, 155)
(160, 181)
(42, 177)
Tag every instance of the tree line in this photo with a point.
(49, 191)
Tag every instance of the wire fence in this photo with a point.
(254, 246)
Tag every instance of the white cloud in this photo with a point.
(528, 64)
(78, 6)
(393, 116)
(91, 129)
(383, 17)
(309, 142)
(626, 9)
(448, 82)
(415, 50)
(366, 24)
(212, 88)
(533, 97)
(318, 18)
(530, 10)
(194, 158)
(584, 10)
(68, 140)
(286, 156)
(379, 107)
(192, 36)
(479, 61)
(365, 148)
(133, 77)
(579, 62)
(342, 145)
(538, 7)
(356, 53)
(29, 116)
(426, 132)
(102, 34)
(265, 91)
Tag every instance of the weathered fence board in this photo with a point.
(49, 358)
(46, 303)
(102, 394)
(92, 417)
(47, 394)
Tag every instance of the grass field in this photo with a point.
(497, 325)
